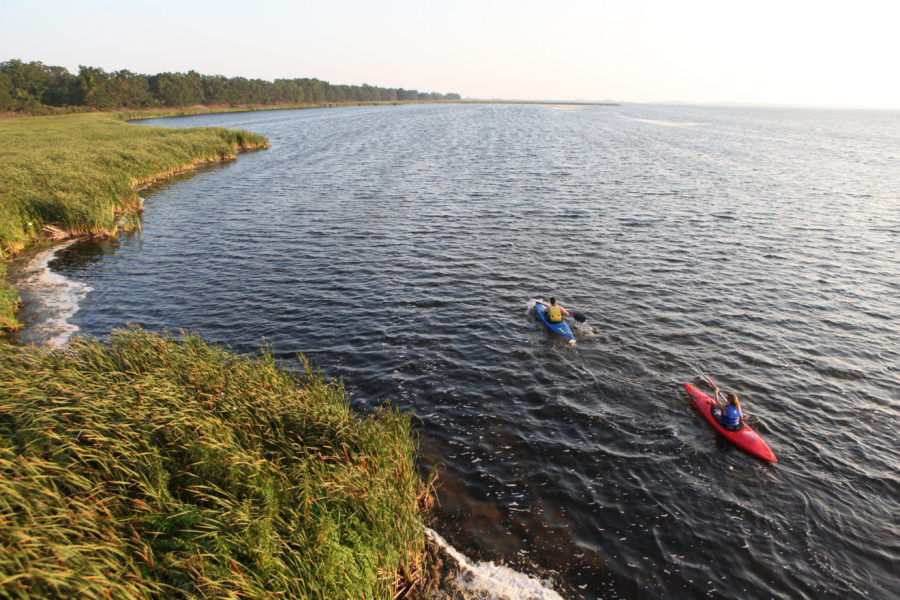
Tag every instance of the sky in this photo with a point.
(794, 52)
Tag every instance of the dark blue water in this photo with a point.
(397, 247)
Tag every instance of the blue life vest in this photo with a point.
(732, 416)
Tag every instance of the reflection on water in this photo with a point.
(398, 247)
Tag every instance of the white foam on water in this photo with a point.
(564, 106)
(50, 299)
(494, 582)
(665, 123)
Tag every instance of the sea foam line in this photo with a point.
(49, 300)
(665, 123)
(493, 582)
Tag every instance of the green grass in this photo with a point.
(9, 302)
(78, 174)
(148, 467)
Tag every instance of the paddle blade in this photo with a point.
(579, 317)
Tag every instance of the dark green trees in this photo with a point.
(109, 91)
(32, 87)
(177, 89)
(29, 86)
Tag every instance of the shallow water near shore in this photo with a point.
(398, 247)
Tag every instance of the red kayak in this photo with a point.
(745, 439)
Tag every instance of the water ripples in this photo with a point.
(398, 249)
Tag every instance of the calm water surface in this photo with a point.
(398, 247)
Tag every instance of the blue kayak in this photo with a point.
(561, 328)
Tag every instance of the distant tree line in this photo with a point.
(33, 86)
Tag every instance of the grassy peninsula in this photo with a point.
(146, 467)
(79, 174)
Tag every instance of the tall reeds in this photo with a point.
(78, 171)
(9, 301)
(150, 467)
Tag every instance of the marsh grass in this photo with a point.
(78, 174)
(150, 467)
(9, 301)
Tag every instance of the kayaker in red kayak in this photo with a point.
(730, 415)
(713, 411)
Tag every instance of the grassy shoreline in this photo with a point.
(78, 173)
(154, 113)
(74, 175)
(150, 467)
(150, 113)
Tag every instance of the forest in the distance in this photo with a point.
(33, 87)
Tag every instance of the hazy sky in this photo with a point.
(765, 51)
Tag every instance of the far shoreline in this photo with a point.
(200, 109)
(134, 114)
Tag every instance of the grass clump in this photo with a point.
(147, 467)
(9, 302)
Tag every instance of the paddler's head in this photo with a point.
(732, 398)
(552, 300)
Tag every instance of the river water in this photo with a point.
(398, 248)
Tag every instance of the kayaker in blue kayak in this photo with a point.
(730, 416)
(556, 311)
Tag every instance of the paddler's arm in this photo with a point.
(718, 400)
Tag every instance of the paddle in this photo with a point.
(710, 382)
(714, 386)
